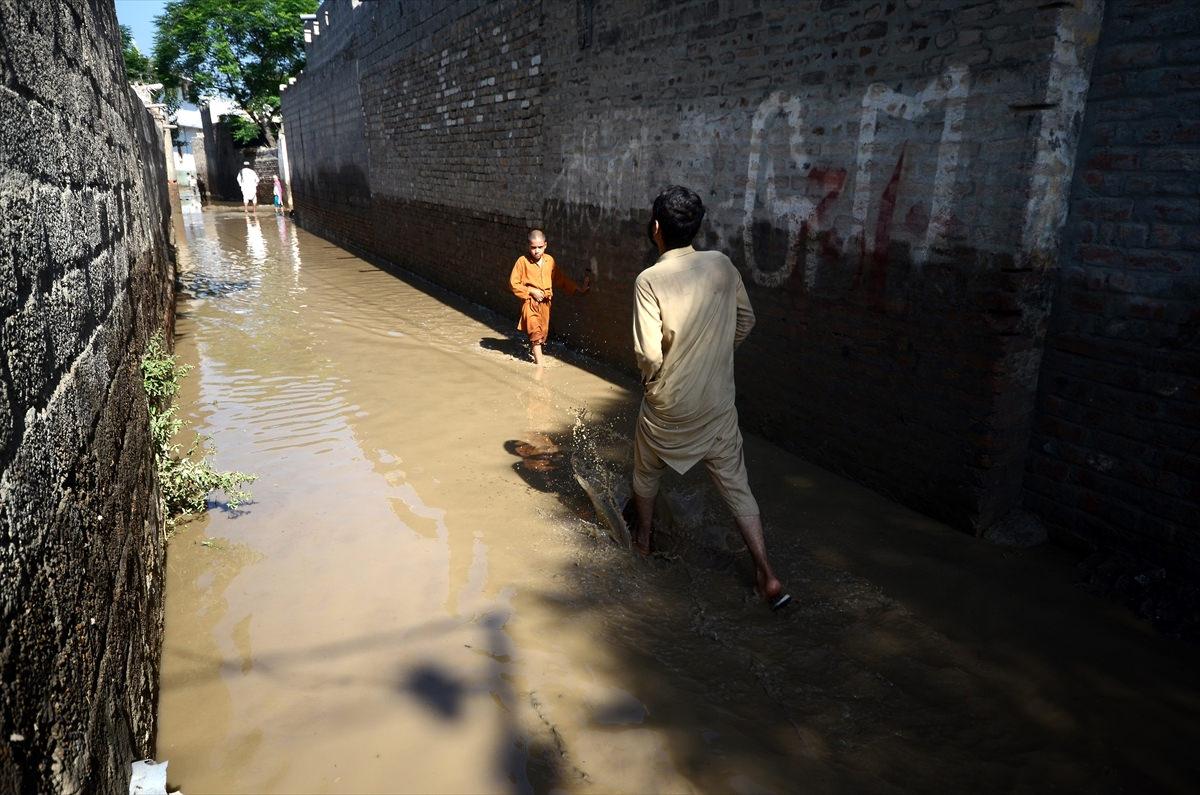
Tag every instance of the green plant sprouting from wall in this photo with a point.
(185, 480)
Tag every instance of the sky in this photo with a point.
(139, 16)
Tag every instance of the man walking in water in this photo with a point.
(247, 180)
(690, 311)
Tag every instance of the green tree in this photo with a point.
(240, 49)
(137, 66)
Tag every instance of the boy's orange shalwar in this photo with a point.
(545, 275)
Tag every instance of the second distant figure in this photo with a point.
(535, 278)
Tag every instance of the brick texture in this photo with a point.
(1115, 459)
(85, 276)
(889, 177)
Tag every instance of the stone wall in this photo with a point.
(890, 178)
(85, 277)
(1115, 460)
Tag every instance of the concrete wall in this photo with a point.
(85, 276)
(1116, 458)
(889, 177)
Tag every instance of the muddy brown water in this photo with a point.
(420, 599)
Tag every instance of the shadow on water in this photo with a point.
(530, 763)
(231, 512)
(440, 692)
(506, 340)
(914, 658)
(545, 465)
(515, 347)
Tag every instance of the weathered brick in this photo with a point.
(1175, 237)
(1128, 300)
(1183, 52)
(1136, 54)
(1179, 211)
(1114, 160)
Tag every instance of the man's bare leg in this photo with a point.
(537, 354)
(769, 586)
(645, 509)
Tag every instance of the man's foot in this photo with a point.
(770, 590)
(642, 544)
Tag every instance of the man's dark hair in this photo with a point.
(679, 213)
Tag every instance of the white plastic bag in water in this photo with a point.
(149, 778)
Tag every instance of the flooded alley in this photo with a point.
(420, 598)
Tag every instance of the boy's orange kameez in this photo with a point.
(535, 315)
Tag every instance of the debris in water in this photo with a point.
(149, 778)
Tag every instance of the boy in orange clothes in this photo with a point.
(534, 279)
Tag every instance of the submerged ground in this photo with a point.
(420, 597)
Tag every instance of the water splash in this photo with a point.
(604, 480)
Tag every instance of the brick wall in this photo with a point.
(1115, 461)
(85, 276)
(890, 177)
(415, 133)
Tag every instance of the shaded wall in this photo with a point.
(889, 178)
(1115, 461)
(85, 277)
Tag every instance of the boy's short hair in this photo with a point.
(679, 213)
(537, 234)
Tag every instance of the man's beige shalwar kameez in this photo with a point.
(690, 311)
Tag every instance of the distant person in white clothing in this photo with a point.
(247, 180)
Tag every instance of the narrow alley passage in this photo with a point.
(419, 597)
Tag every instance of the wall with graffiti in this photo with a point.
(890, 177)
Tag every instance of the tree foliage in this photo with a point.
(244, 131)
(137, 66)
(240, 49)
